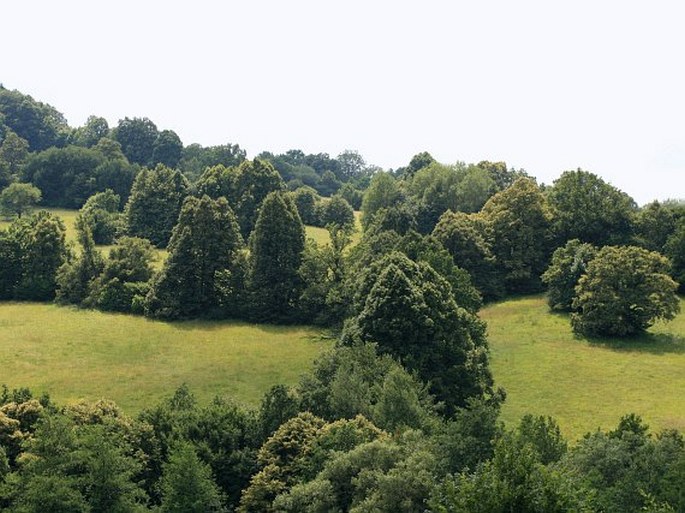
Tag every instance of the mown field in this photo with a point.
(585, 384)
(77, 354)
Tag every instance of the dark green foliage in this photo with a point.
(195, 158)
(306, 200)
(624, 291)
(65, 176)
(137, 137)
(74, 277)
(276, 248)
(40, 243)
(125, 276)
(518, 224)
(204, 243)
(38, 123)
(399, 218)
(561, 277)
(254, 180)
(499, 173)
(11, 269)
(167, 149)
(675, 250)
(279, 404)
(417, 162)
(90, 134)
(187, 485)
(544, 435)
(464, 237)
(352, 195)
(101, 214)
(411, 313)
(155, 202)
(654, 223)
(587, 208)
(217, 181)
(14, 152)
(337, 211)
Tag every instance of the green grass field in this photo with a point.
(585, 384)
(80, 354)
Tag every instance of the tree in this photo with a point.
(568, 264)
(411, 314)
(167, 149)
(204, 244)
(14, 152)
(254, 180)
(338, 212)
(155, 202)
(587, 208)
(624, 291)
(383, 192)
(276, 248)
(187, 484)
(654, 223)
(351, 165)
(40, 240)
(101, 213)
(74, 277)
(38, 123)
(19, 198)
(675, 250)
(137, 137)
(90, 134)
(518, 223)
(464, 237)
(195, 158)
(67, 176)
(306, 200)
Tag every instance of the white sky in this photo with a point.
(546, 86)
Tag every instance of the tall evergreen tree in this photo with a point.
(204, 244)
(276, 248)
(155, 202)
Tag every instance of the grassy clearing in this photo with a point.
(585, 384)
(321, 237)
(76, 354)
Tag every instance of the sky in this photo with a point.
(545, 86)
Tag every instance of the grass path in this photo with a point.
(585, 384)
(75, 354)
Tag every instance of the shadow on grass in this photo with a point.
(652, 343)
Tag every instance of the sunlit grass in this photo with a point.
(585, 384)
(79, 354)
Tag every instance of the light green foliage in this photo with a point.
(518, 223)
(624, 291)
(383, 192)
(499, 173)
(18, 199)
(276, 248)
(155, 202)
(464, 236)
(187, 485)
(514, 480)
(567, 266)
(204, 244)
(587, 208)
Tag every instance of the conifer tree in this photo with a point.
(204, 244)
(276, 248)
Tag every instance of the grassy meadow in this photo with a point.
(585, 384)
(81, 354)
